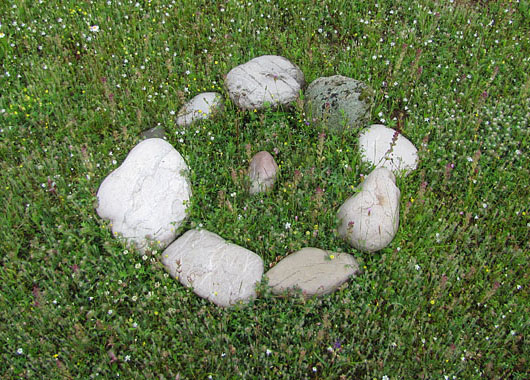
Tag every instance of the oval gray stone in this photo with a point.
(145, 197)
(267, 79)
(202, 106)
(369, 220)
(313, 270)
(387, 148)
(338, 102)
(221, 272)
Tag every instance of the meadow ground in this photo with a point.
(447, 299)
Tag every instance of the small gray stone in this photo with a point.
(157, 132)
(224, 273)
(267, 79)
(262, 172)
(338, 102)
(145, 198)
(369, 220)
(202, 106)
(385, 147)
(314, 271)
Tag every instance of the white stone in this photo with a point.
(202, 106)
(385, 147)
(267, 79)
(313, 271)
(369, 220)
(224, 273)
(145, 198)
(262, 172)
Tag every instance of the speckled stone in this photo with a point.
(338, 102)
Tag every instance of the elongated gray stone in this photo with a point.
(369, 220)
(145, 198)
(202, 106)
(267, 79)
(223, 273)
(387, 148)
(313, 270)
(338, 102)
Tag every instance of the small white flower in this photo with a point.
(268, 352)
(470, 159)
(287, 226)
(314, 369)
(385, 377)
(127, 358)
(94, 28)
(20, 351)
(417, 267)
(110, 312)
(144, 257)
(138, 266)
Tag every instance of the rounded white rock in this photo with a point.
(386, 147)
(267, 79)
(202, 106)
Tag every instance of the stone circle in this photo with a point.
(145, 198)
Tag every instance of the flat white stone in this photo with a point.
(224, 273)
(312, 270)
(267, 79)
(202, 106)
(385, 147)
(262, 172)
(145, 197)
(369, 220)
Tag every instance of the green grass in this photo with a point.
(448, 298)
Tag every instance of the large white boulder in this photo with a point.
(145, 198)
(267, 79)
(387, 148)
(313, 271)
(369, 220)
(202, 106)
(224, 273)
